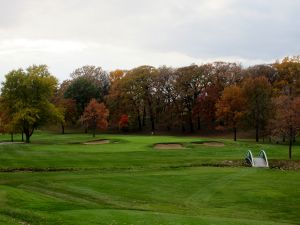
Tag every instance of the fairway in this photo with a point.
(58, 179)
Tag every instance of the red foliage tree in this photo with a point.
(124, 122)
(95, 116)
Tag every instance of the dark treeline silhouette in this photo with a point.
(207, 97)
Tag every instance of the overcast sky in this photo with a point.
(67, 34)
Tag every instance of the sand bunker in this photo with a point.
(168, 146)
(99, 142)
(210, 144)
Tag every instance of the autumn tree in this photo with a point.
(231, 107)
(167, 104)
(266, 70)
(205, 108)
(134, 94)
(116, 75)
(189, 83)
(258, 93)
(26, 97)
(144, 79)
(214, 78)
(124, 122)
(223, 74)
(288, 82)
(95, 116)
(287, 118)
(127, 96)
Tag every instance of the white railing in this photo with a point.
(249, 157)
(263, 155)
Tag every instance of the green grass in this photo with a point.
(58, 180)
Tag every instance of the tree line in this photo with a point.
(212, 96)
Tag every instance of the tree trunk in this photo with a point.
(62, 129)
(256, 134)
(94, 127)
(234, 131)
(182, 122)
(27, 138)
(152, 116)
(144, 117)
(198, 122)
(152, 124)
(140, 122)
(28, 134)
(182, 125)
(290, 149)
(22, 136)
(291, 142)
(85, 130)
(191, 122)
(12, 137)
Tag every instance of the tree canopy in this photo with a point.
(202, 98)
(25, 99)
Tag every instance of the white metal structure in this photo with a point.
(260, 161)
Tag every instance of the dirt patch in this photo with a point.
(98, 142)
(210, 144)
(227, 163)
(284, 164)
(169, 146)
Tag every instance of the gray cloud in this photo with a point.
(66, 34)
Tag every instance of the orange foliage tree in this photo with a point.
(116, 75)
(95, 116)
(231, 107)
